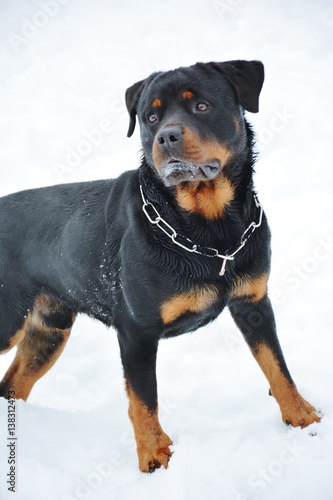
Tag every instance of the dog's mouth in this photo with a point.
(175, 171)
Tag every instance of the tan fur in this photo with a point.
(252, 290)
(294, 408)
(152, 442)
(34, 340)
(157, 103)
(208, 199)
(195, 150)
(201, 151)
(158, 156)
(193, 301)
(187, 94)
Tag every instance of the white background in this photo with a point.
(65, 66)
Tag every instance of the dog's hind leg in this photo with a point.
(40, 343)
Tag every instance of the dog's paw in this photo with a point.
(155, 455)
(300, 414)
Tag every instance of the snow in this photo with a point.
(65, 65)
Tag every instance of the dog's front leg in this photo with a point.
(255, 318)
(139, 362)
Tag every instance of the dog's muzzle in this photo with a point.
(174, 172)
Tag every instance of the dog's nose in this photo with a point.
(169, 136)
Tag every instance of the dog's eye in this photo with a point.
(202, 106)
(152, 118)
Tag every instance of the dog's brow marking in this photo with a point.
(187, 94)
(157, 103)
(194, 301)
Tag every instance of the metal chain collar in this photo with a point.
(155, 218)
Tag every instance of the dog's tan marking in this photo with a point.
(202, 151)
(29, 364)
(194, 301)
(39, 347)
(194, 150)
(152, 442)
(158, 156)
(294, 408)
(252, 289)
(187, 94)
(208, 199)
(157, 103)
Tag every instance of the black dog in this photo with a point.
(158, 252)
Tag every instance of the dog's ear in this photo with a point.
(132, 98)
(247, 78)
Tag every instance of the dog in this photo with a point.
(158, 252)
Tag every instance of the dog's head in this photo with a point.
(191, 119)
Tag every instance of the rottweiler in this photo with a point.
(157, 252)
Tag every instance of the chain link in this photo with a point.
(188, 244)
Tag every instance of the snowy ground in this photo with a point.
(65, 65)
